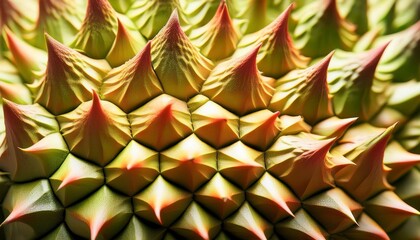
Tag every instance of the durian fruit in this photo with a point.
(209, 119)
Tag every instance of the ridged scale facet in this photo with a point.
(193, 119)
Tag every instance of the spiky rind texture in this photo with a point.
(196, 119)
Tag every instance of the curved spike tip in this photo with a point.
(173, 21)
(374, 56)
(247, 65)
(320, 70)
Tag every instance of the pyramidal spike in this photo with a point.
(197, 224)
(291, 125)
(247, 65)
(99, 221)
(222, 13)
(322, 17)
(279, 26)
(98, 125)
(387, 133)
(215, 125)
(318, 72)
(29, 60)
(353, 95)
(134, 168)
(69, 179)
(98, 30)
(31, 209)
(69, 74)
(126, 44)
(272, 119)
(16, 127)
(337, 203)
(218, 38)
(190, 163)
(237, 85)
(318, 162)
(173, 27)
(151, 205)
(178, 64)
(305, 93)
(368, 176)
(96, 111)
(260, 129)
(29, 122)
(220, 196)
(277, 55)
(161, 122)
(48, 153)
(165, 114)
(246, 223)
(337, 162)
(75, 179)
(14, 215)
(25, 126)
(135, 77)
(272, 198)
(368, 61)
(95, 227)
(241, 164)
(306, 152)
